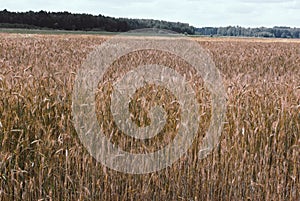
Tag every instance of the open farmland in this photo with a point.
(42, 158)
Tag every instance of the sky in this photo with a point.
(199, 13)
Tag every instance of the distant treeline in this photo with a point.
(87, 22)
(275, 32)
(84, 22)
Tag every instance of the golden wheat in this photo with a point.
(42, 158)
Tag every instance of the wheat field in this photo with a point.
(42, 158)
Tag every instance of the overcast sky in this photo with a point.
(199, 13)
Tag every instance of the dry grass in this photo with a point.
(42, 158)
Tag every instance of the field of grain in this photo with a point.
(42, 158)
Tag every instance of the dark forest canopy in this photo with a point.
(84, 22)
(87, 22)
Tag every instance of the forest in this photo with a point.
(87, 22)
(275, 32)
(84, 22)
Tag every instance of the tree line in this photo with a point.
(84, 22)
(275, 32)
(87, 22)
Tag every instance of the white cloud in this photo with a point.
(266, 1)
(253, 13)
